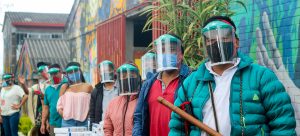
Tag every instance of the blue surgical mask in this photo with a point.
(74, 77)
(4, 84)
(167, 60)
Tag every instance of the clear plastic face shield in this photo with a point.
(43, 72)
(148, 64)
(7, 80)
(55, 75)
(129, 80)
(74, 75)
(168, 50)
(219, 43)
(106, 71)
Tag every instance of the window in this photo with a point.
(57, 36)
(45, 36)
(33, 35)
(20, 38)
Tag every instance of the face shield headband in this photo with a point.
(129, 80)
(168, 49)
(74, 74)
(219, 43)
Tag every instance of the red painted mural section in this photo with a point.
(111, 40)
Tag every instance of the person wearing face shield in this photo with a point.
(74, 101)
(103, 92)
(118, 120)
(36, 96)
(12, 99)
(148, 65)
(230, 93)
(49, 112)
(150, 117)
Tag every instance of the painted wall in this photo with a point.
(82, 30)
(25, 68)
(270, 33)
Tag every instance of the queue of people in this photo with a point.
(227, 92)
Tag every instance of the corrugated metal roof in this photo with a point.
(48, 50)
(54, 18)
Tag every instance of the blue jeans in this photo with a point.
(10, 124)
(73, 123)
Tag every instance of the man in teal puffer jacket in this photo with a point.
(231, 94)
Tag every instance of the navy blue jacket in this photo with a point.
(141, 114)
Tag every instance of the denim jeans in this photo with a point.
(10, 124)
(73, 123)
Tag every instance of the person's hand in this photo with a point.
(21, 80)
(37, 92)
(61, 113)
(43, 129)
(15, 106)
(275, 62)
(1, 120)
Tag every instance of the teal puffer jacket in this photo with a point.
(267, 109)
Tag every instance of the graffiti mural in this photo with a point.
(269, 32)
(82, 30)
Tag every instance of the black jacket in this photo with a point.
(96, 104)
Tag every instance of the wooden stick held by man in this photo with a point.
(188, 117)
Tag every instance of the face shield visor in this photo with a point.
(148, 64)
(55, 75)
(168, 49)
(7, 80)
(73, 74)
(43, 72)
(129, 80)
(219, 43)
(106, 71)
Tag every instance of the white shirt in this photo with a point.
(9, 97)
(221, 99)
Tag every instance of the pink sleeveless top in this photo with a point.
(75, 105)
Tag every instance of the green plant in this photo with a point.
(185, 18)
(25, 124)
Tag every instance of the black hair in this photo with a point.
(55, 66)
(73, 64)
(42, 64)
(78, 65)
(176, 36)
(220, 18)
(81, 76)
(223, 19)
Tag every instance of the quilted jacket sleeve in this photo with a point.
(277, 103)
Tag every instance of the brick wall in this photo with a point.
(270, 33)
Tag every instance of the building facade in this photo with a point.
(106, 30)
(20, 25)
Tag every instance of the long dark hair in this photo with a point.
(81, 76)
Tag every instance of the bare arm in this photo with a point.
(23, 84)
(63, 89)
(18, 106)
(90, 89)
(45, 114)
(45, 124)
(24, 99)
